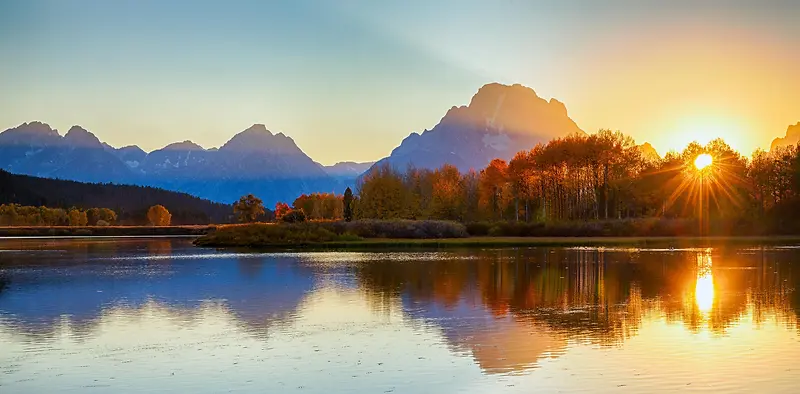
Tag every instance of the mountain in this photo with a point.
(792, 137)
(499, 121)
(347, 169)
(130, 202)
(649, 153)
(271, 166)
(37, 149)
(255, 161)
(131, 155)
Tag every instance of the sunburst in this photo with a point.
(705, 179)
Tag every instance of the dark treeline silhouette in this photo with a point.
(130, 203)
(603, 177)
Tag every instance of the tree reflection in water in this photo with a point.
(522, 305)
(508, 309)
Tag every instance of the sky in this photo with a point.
(348, 80)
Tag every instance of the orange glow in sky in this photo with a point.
(667, 73)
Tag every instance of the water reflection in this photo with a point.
(704, 289)
(508, 312)
(553, 297)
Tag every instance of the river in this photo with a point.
(159, 315)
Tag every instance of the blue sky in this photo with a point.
(349, 79)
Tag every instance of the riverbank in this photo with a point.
(389, 235)
(106, 231)
(499, 242)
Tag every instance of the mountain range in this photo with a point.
(499, 121)
(253, 161)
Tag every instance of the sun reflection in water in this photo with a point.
(704, 287)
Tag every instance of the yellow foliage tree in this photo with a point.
(159, 216)
(77, 218)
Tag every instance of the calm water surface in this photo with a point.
(157, 315)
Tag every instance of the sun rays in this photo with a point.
(706, 179)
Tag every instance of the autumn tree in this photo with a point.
(447, 200)
(494, 188)
(248, 208)
(108, 216)
(157, 215)
(77, 218)
(320, 206)
(281, 209)
(95, 215)
(382, 194)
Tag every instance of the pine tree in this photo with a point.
(348, 205)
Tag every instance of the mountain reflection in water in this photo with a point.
(507, 311)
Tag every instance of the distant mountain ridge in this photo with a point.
(499, 121)
(347, 169)
(253, 161)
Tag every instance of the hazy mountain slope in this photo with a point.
(347, 168)
(649, 153)
(37, 149)
(254, 161)
(499, 121)
(792, 137)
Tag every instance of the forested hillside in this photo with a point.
(129, 202)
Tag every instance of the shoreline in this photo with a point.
(18, 232)
(500, 242)
(199, 234)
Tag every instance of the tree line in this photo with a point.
(602, 176)
(130, 203)
(314, 206)
(584, 178)
(21, 215)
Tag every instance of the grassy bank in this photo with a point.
(324, 233)
(499, 242)
(105, 231)
(411, 234)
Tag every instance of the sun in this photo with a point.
(703, 161)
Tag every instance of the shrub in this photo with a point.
(288, 234)
(265, 234)
(419, 229)
(650, 227)
(294, 216)
(478, 229)
(102, 223)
